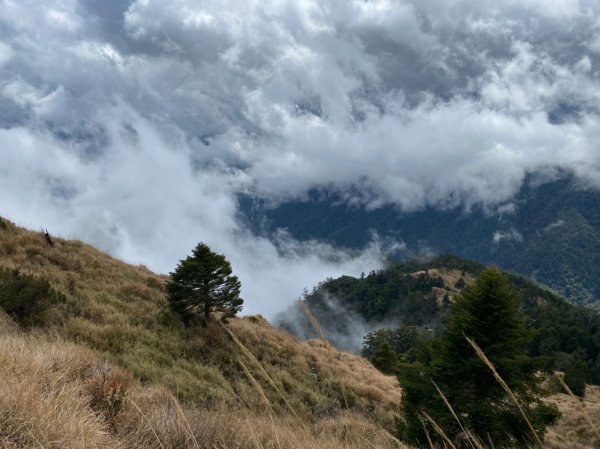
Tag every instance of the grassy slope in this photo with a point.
(185, 388)
(116, 316)
(56, 394)
(574, 430)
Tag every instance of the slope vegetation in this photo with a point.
(419, 294)
(107, 366)
(110, 366)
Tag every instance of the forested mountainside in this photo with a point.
(550, 232)
(414, 297)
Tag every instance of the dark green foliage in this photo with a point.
(384, 294)
(570, 335)
(401, 341)
(385, 359)
(3, 225)
(488, 313)
(203, 284)
(446, 300)
(395, 294)
(576, 377)
(26, 297)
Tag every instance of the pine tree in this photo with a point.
(203, 284)
(576, 376)
(489, 314)
(385, 359)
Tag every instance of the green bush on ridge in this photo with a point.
(25, 297)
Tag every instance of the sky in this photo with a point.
(135, 124)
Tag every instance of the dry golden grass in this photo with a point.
(71, 263)
(353, 373)
(47, 397)
(121, 312)
(44, 401)
(164, 426)
(450, 278)
(573, 429)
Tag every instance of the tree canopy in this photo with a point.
(489, 314)
(202, 284)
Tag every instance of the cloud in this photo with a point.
(135, 124)
(513, 234)
(341, 327)
(141, 200)
(553, 225)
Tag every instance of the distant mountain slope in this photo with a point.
(419, 293)
(550, 232)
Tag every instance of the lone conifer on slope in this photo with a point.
(202, 284)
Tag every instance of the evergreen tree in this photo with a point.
(401, 341)
(385, 359)
(576, 376)
(488, 313)
(202, 284)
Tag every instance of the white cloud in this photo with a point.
(135, 124)
(6, 53)
(143, 202)
(553, 225)
(512, 234)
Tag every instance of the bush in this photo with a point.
(24, 297)
(576, 376)
(108, 390)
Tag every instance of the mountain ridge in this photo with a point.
(550, 231)
(418, 294)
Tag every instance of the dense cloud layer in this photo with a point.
(133, 124)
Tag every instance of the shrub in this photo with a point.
(576, 376)
(24, 297)
(108, 389)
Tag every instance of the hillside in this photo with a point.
(549, 232)
(109, 365)
(418, 294)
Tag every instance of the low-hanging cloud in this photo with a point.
(134, 124)
(144, 202)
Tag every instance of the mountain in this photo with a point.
(549, 232)
(99, 361)
(418, 294)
